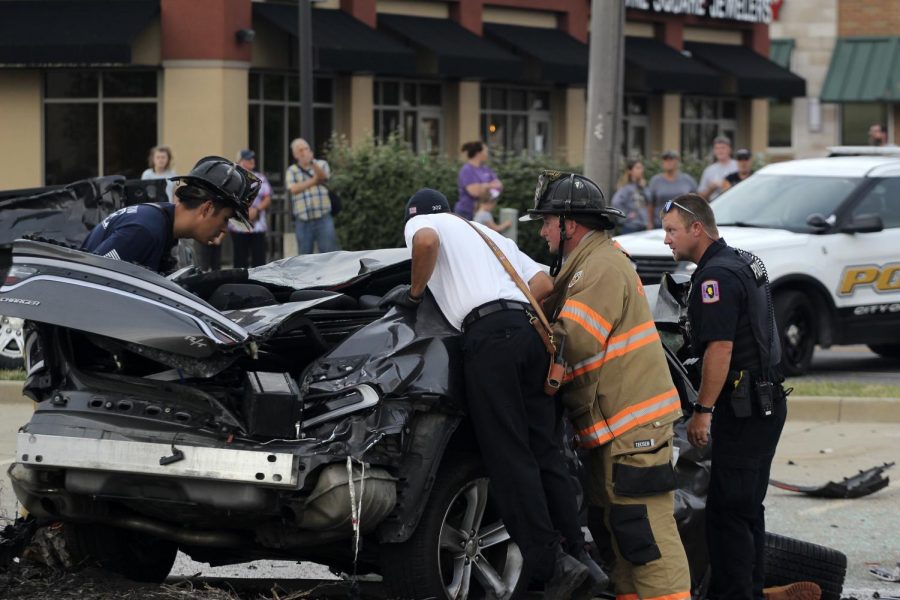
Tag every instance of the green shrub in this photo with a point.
(375, 179)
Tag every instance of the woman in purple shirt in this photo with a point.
(475, 180)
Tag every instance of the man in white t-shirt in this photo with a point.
(516, 424)
(714, 175)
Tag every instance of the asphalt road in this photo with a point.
(853, 363)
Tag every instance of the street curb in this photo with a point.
(800, 408)
(844, 409)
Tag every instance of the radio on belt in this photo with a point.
(272, 405)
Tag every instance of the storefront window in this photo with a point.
(635, 127)
(856, 118)
(274, 119)
(780, 121)
(413, 109)
(516, 119)
(703, 120)
(98, 123)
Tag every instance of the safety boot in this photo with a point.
(568, 575)
(800, 590)
(597, 579)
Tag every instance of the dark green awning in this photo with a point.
(864, 69)
(780, 52)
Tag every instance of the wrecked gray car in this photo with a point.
(64, 214)
(273, 413)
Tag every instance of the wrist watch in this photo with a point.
(705, 410)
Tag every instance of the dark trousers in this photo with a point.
(518, 432)
(248, 249)
(742, 453)
(207, 257)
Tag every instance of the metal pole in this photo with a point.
(305, 55)
(605, 89)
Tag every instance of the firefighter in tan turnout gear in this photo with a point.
(617, 388)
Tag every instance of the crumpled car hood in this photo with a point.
(403, 353)
(65, 214)
(329, 270)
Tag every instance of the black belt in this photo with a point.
(490, 308)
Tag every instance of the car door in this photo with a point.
(867, 290)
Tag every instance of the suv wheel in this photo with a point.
(795, 317)
(460, 549)
(11, 342)
(788, 560)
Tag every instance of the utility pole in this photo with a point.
(305, 60)
(605, 87)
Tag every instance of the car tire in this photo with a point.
(132, 554)
(795, 316)
(886, 350)
(442, 561)
(789, 560)
(11, 343)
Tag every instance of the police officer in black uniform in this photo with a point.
(215, 191)
(741, 404)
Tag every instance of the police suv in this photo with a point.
(828, 231)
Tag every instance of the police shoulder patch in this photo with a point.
(709, 291)
(576, 278)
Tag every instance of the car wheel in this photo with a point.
(788, 560)
(796, 321)
(11, 343)
(886, 350)
(135, 555)
(460, 549)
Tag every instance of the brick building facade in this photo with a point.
(87, 86)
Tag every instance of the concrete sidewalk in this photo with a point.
(800, 408)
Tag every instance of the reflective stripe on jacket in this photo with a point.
(616, 375)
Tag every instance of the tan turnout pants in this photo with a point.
(650, 562)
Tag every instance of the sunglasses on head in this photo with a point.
(668, 206)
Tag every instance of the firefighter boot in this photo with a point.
(568, 575)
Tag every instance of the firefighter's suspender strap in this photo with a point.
(543, 327)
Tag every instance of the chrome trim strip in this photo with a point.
(370, 399)
(136, 282)
(206, 329)
(269, 469)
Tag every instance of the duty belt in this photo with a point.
(493, 307)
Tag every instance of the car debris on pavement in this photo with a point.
(864, 483)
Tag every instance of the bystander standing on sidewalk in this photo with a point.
(631, 199)
(160, 163)
(714, 175)
(310, 200)
(745, 169)
(666, 185)
(476, 180)
(249, 244)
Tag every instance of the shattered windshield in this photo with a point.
(782, 201)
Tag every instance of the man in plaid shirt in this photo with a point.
(310, 202)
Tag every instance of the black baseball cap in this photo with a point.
(426, 202)
(743, 154)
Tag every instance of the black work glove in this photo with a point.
(400, 296)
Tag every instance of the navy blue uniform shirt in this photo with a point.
(717, 309)
(140, 234)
